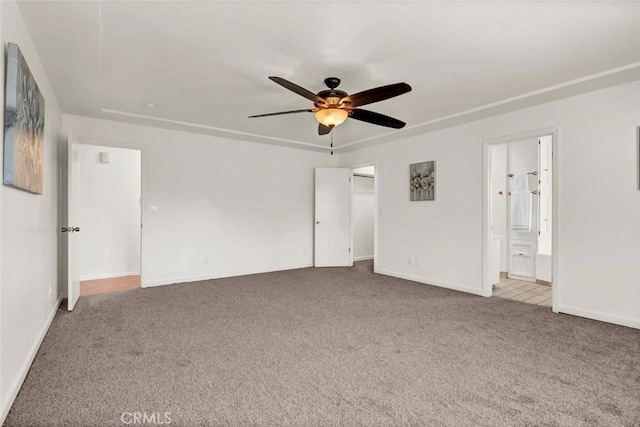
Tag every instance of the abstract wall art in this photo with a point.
(23, 126)
(422, 181)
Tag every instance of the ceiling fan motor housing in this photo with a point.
(332, 97)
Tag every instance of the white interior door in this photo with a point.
(545, 177)
(333, 218)
(70, 227)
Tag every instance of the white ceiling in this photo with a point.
(205, 64)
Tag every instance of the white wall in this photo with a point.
(598, 227)
(29, 236)
(224, 207)
(363, 217)
(109, 201)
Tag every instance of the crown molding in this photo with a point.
(212, 130)
(603, 80)
(594, 82)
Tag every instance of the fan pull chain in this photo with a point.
(331, 143)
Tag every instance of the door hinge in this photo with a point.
(349, 249)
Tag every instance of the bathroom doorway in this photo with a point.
(519, 259)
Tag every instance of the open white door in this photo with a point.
(545, 178)
(333, 218)
(70, 261)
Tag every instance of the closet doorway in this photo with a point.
(519, 217)
(364, 216)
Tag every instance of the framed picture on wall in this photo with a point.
(422, 181)
(23, 126)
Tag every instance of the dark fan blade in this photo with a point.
(376, 118)
(377, 94)
(323, 130)
(297, 89)
(282, 112)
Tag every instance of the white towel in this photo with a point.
(521, 211)
(520, 182)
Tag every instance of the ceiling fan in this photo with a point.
(333, 106)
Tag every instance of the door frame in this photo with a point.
(143, 185)
(487, 214)
(375, 207)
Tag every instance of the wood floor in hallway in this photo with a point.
(112, 284)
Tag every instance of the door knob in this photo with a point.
(75, 229)
(64, 229)
(317, 222)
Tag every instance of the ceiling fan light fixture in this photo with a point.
(332, 107)
(331, 117)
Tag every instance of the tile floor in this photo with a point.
(528, 292)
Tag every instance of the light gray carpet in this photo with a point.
(328, 347)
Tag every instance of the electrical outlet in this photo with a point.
(409, 260)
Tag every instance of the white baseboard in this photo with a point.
(362, 258)
(177, 279)
(26, 365)
(426, 281)
(603, 317)
(187, 279)
(109, 276)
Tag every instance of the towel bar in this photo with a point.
(511, 175)
(532, 192)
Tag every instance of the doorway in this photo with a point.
(345, 217)
(519, 214)
(364, 216)
(109, 218)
